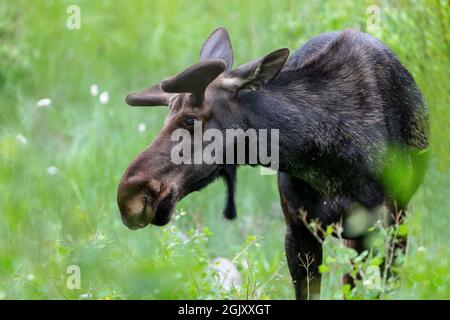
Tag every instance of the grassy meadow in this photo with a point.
(61, 160)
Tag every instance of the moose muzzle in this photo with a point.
(142, 203)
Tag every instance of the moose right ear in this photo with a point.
(153, 96)
(218, 47)
(257, 73)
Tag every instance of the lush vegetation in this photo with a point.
(60, 164)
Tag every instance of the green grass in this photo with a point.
(49, 222)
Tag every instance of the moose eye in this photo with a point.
(190, 120)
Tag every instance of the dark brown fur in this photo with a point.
(340, 103)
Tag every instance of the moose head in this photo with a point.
(207, 93)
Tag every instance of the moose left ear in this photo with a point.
(257, 73)
(218, 46)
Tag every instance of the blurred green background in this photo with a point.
(60, 164)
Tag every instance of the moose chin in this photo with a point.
(341, 103)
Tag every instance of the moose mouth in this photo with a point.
(162, 210)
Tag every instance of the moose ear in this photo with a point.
(194, 79)
(257, 73)
(153, 96)
(218, 46)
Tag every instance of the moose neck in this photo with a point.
(300, 125)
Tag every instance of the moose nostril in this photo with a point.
(136, 212)
(145, 201)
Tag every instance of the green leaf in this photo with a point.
(323, 268)
(402, 230)
(377, 261)
(330, 230)
(347, 290)
(250, 239)
(207, 232)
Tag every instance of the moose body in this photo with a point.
(339, 102)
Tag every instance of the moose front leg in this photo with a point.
(303, 250)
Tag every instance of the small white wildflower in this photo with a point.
(182, 236)
(421, 249)
(30, 277)
(94, 90)
(100, 236)
(142, 127)
(229, 276)
(104, 97)
(373, 278)
(85, 295)
(21, 139)
(52, 170)
(245, 265)
(44, 103)
(367, 283)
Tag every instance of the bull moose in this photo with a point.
(339, 103)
